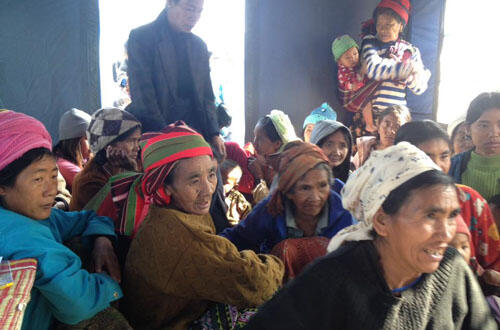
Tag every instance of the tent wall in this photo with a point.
(49, 57)
(49, 53)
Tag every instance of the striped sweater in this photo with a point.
(398, 65)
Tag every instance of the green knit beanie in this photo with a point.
(341, 45)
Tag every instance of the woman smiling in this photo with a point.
(300, 216)
(393, 270)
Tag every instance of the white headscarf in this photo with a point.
(368, 187)
(283, 126)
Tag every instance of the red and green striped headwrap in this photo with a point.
(160, 154)
(127, 196)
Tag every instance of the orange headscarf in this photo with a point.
(293, 163)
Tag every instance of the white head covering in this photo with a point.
(283, 126)
(454, 124)
(368, 187)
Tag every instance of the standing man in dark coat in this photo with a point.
(169, 73)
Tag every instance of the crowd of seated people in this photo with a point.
(326, 232)
(120, 227)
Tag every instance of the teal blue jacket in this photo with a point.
(62, 289)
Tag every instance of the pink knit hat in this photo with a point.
(20, 133)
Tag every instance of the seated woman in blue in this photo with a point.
(31, 228)
(303, 206)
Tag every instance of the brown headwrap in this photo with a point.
(293, 163)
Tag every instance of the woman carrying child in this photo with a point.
(387, 58)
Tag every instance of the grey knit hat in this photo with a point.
(73, 124)
(324, 128)
(107, 124)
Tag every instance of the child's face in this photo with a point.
(350, 58)
(462, 244)
(388, 28)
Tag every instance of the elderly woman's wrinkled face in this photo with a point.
(310, 193)
(439, 151)
(34, 190)
(388, 28)
(193, 184)
(461, 141)
(263, 145)
(485, 133)
(387, 129)
(335, 147)
(130, 145)
(419, 233)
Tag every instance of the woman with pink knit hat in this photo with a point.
(31, 228)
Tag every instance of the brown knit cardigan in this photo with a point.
(87, 184)
(176, 265)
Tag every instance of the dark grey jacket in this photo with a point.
(153, 76)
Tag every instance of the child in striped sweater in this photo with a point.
(386, 58)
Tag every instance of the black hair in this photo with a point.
(482, 103)
(267, 124)
(382, 10)
(401, 111)
(400, 195)
(227, 166)
(219, 157)
(397, 110)
(224, 119)
(9, 174)
(495, 200)
(418, 132)
(70, 149)
(341, 172)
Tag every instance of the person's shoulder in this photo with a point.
(11, 221)
(148, 34)
(261, 206)
(345, 259)
(365, 140)
(369, 40)
(146, 30)
(335, 197)
(453, 260)
(198, 42)
(459, 157)
(453, 268)
(471, 192)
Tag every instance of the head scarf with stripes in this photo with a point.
(127, 196)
